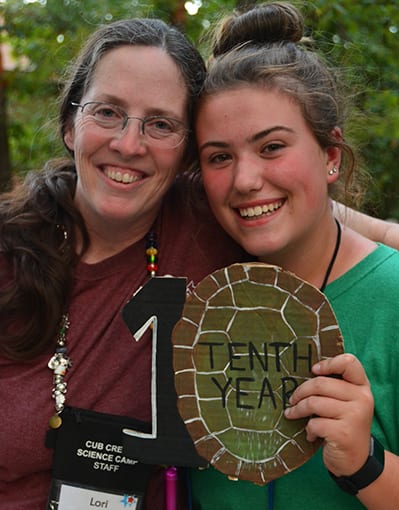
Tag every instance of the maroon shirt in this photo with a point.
(111, 372)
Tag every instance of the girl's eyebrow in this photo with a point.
(268, 131)
(254, 138)
(210, 143)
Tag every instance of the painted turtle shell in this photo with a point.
(247, 338)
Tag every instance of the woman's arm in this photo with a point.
(378, 230)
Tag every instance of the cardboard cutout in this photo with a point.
(247, 338)
(158, 305)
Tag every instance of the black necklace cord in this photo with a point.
(334, 256)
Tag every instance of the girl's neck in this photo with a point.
(315, 259)
(311, 264)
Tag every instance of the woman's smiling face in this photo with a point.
(120, 176)
(265, 175)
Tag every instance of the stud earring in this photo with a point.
(333, 171)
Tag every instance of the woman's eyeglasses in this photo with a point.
(158, 130)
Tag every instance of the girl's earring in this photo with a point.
(333, 171)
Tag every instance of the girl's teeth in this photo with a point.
(250, 212)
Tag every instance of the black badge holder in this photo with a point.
(89, 454)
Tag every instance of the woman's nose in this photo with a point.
(130, 140)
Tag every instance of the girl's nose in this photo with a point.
(247, 176)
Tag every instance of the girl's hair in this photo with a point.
(265, 47)
(39, 222)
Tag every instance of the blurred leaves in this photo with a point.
(361, 37)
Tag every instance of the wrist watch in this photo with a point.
(371, 470)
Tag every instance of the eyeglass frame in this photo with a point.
(125, 119)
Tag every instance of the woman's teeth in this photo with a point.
(121, 177)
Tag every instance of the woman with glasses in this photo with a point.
(78, 240)
(270, 129)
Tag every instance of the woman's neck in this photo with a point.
(109, 240)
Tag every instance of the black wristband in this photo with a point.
(371, 470)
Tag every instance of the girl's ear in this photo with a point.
(334, 158)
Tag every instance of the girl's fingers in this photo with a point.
(345, 365)
(339, 405)
(349, 381)
(323, 387)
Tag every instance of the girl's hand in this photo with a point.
(340, 409)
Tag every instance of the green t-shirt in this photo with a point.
(366, 303)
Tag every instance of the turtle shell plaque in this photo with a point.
(248, 336)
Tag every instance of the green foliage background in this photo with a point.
(361, 36)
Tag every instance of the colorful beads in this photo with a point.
(152, 253)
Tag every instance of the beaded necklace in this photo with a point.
(60, 362)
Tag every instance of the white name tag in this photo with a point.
(78, 498)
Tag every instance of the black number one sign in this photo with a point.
(159, 304)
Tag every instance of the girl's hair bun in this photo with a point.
(266, 23)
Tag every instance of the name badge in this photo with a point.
(90, 467)
(74, 498)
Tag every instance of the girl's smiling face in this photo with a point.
(265, 175)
